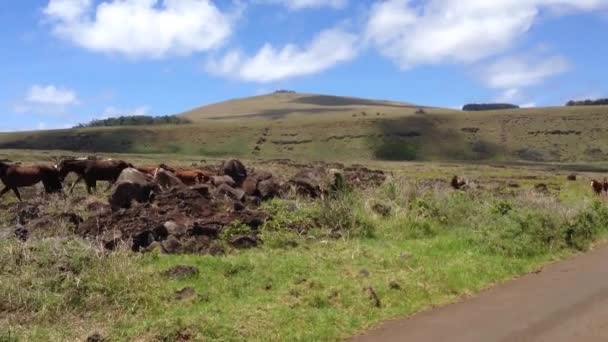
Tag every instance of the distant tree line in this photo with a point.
(284, 91)
(598, 102)
(137, 120)
(487, 106)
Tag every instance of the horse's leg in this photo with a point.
(16, 191)
(76, 182)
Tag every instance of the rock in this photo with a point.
(250, 186)
(238, 206)
(22, 233)
(541, 188)
(364, 273)
(373, 296)
(235, 194)
(393, 285)
(27, 213)
(211, 230)
(307, 182)
(181, 272)
(132, 185)
(202, 189)
(381, 209)
(571, 177)
(268, 189)
(96, 337)
(167, 180)
(142, 240)
(172, 245)
(72, 218)
(236, 170)
(244, 242)
(185, 293)
(111, 239)
(174, 229)
(220, 180)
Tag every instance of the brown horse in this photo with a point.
(17, 176)
(92, 171)
(192, 176)
(151, 170)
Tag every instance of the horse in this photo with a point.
(92, 171)
(151, 170)
(597, 187)
(192, 176)
(16, 176)
(457, 183)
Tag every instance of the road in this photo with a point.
(567, 301)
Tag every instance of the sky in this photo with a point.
(65, 62)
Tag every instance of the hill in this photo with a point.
(321, 127)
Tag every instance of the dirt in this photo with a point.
(566, 301)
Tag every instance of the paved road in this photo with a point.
(567, 301)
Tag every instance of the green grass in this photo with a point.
(310, 279)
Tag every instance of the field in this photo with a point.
(326, 269)
(319, 127)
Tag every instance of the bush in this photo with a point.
(487, 106)
(137, 120)
(598, 102)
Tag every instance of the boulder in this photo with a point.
(268, 188)
(236, 170)
(234, 193)
(132, 185)
(219, 180)
(308, 182)
(167, 180)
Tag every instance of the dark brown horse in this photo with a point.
(17, 176)
(92, 171)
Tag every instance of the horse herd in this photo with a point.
(15, 176)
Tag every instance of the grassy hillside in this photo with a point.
(302, 126)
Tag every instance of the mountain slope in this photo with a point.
(320, 127)
(281, 105)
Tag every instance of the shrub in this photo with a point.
(487, 106)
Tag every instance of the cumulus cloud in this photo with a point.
(141, 28)
(518, 72)
(327, 49)
(439, 31)
(51, 95)
(303, 4)
(46, 100)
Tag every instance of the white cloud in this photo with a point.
(327, 49)
(295, 5)
(46, 100)
(517, 72)
(51, 95)
(438, 31)
(528, 105)
(141, 28)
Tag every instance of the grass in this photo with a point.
(311, 127)
(311, 278)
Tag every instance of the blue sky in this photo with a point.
(69, 61)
